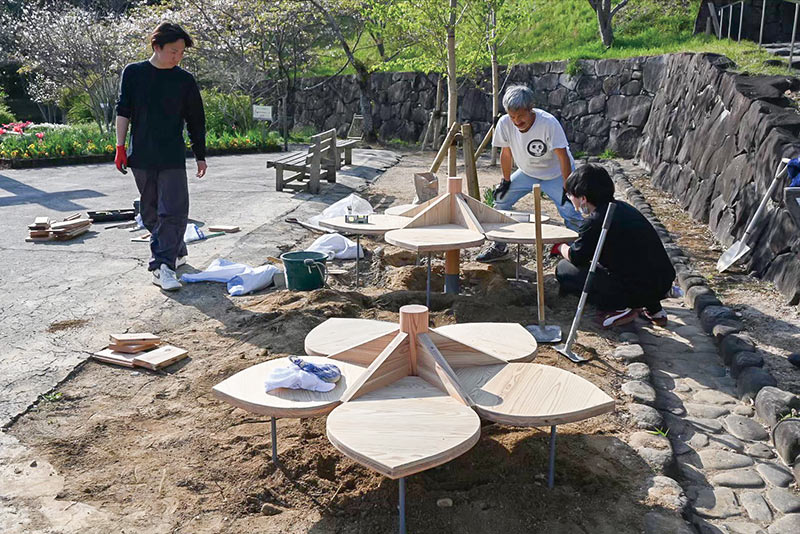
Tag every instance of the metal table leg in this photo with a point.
(428, 285)
(358, 255)
(402, 505)
(551, 471)
(518, 247)
(274, 432)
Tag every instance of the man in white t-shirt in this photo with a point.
(535, 141)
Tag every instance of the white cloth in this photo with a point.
(241, 279)
(533, 150)
(336, 246)
(352, 204)
(251, 280)
(292, 377)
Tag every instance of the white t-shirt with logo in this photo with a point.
(533, 150)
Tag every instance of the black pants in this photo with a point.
(609, 292)
(164, 205)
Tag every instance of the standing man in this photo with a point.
(535, 141)
(634, 272)
(157, 98)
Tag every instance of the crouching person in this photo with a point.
(633, 273)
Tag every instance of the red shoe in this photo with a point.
(617, 317)
(658, 318)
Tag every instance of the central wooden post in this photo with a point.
(452, 258)
(413, 321)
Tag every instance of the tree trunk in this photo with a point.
(365, 104)
(452, 86)
(606, 32)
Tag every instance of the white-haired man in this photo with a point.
(534, 140)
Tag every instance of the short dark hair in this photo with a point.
(593, 182)
(166, 33)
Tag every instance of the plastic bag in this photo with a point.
(292, 377)
(350, 205)
(193, 233)
(336, 246)
(793, 169)
(426, 185)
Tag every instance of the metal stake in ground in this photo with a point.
(566, 348)
(402, 505)
(541, 332)
(274, 435)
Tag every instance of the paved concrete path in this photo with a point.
(100, 278)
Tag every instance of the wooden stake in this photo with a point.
(448, 141)
(486, 139)
(470, 168)
(537, 209)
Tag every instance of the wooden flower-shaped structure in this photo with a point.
(411, 398)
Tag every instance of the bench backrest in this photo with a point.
(323, 146)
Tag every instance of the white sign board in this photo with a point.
(262, 113)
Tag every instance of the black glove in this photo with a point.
(501, 190)
(564, 198)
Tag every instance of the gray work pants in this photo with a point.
(164, 205)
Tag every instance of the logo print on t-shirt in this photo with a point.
(537, 148)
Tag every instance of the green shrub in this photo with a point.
(77, 107)
(608, 154)
(227, 112)
(5, 114)
(302, 134)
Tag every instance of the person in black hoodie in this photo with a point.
(156, 98)
(634, 272)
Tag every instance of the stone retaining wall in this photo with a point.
(713, 140)
(604, 104)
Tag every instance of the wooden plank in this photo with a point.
(508, 342)
(339, 333)
(436, 214)
(70, 224)
(160, 357)
(458, 354)
(435, 238)
(404, 210)
(466, 215)
(433, 367)
(133, 337)
(144, 238)
(484, 213)
(364, 353)
(525, 233)
(404, 428)
(41, 221)
(133, 348)
(414, 210)
(228, 229)
(529, 394)
(117, 358)
(245, 390)
(391, 364)
(73, 217)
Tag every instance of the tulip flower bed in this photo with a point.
(25, 144)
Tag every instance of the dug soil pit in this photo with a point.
(156, 452)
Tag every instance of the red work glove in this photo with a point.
(121, 159)
(556, 250)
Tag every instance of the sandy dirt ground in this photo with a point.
(138, 451)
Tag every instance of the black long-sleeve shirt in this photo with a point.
(632, 252)
(158, 102)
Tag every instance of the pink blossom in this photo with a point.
(2, 130)
(40, 135)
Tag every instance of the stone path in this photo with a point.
(722, 456)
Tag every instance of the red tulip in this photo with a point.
(40, 135)
(2, 131)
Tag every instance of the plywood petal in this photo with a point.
(529, 394)
(338, 334)
(245, 390)
(509, 342)
(404, 428)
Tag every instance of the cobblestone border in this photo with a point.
(752, 384)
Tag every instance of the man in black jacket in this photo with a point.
(634, 272)
(157, 98)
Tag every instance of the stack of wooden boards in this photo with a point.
(43, 229)
(139, 350)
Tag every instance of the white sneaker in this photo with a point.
(181, 260)
(165, 278)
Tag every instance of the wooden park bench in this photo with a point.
(321, 161)
(344, 148)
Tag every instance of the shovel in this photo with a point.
(566, 348)
(740, 248)
(541, 332)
